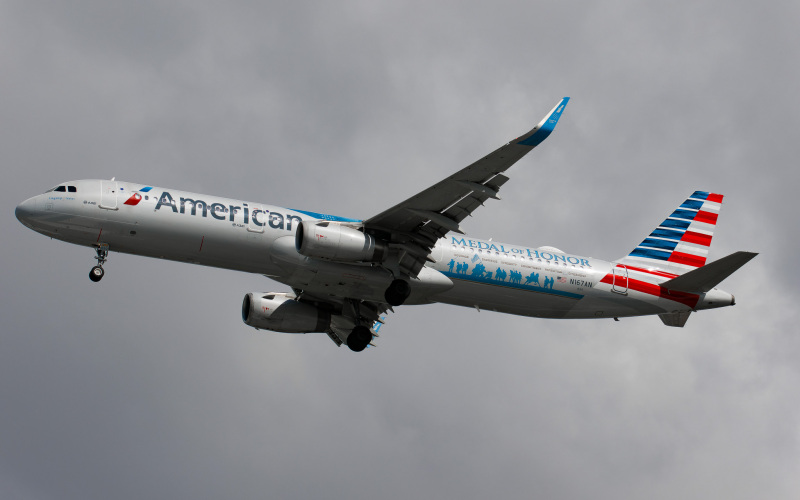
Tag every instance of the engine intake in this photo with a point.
(332, 241)
(280, 312)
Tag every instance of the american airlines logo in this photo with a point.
(134, 199)
(219, 211)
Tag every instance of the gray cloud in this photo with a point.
(148, 384)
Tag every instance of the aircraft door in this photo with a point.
(619, 283)
(257, 220)
(108, 195)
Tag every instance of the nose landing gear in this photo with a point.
(97, 272)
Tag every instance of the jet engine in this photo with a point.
(280, 312)
(337, 242)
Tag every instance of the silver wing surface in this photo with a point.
(413, 226)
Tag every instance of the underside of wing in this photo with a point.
(414, 226)
(346, 314)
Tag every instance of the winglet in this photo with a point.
(541, 131)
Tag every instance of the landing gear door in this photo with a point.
(257, 220)
(620, 279)
(108, 195)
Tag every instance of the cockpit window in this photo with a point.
(63, 189)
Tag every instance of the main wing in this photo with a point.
(414, 226)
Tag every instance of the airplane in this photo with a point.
(346, 274)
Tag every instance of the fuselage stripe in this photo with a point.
(685, 258)
(688, 299)
(651, 271)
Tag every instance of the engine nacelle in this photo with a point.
(332, 241)
(279, 312)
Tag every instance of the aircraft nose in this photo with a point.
(26, 210)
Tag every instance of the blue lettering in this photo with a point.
(233, 211)
(461, 241)
(194, 203)
(289, 219)
(276, 220)
(253, 217)
(217, 207)
(166, 199)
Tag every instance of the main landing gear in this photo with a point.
(359, 338)
(361, 335)
(97, 272)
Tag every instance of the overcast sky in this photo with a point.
(148, 384)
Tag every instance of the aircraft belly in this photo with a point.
(65, 224)
(603, 303)
(325, 277)
(184, 240)
(505, 299)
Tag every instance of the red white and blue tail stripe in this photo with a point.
(680, 243)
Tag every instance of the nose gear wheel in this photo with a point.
(97, 272)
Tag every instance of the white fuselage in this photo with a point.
(259, 238)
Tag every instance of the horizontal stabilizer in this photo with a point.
(675, 319)
(707, 277)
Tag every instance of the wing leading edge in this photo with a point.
(414, 225)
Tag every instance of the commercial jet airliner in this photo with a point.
(344, 274)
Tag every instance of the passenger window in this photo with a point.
(72, 189)
(61, 189)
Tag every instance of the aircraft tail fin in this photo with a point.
(680, 243)
(707, 277)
